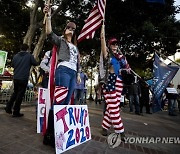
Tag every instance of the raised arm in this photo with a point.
(47, 10)
(103, 42)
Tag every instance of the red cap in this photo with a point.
(112, 40)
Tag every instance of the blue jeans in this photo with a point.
(171, 105)
(66, 77)
(79, 96)
(134, 99)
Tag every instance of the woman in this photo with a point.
(67, 70)
(114, 62)
(68, 60)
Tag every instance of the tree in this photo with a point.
(141, 27)
(13, 24)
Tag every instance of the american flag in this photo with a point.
(112, 98)
(94, 21)
(60, 94)
(51, 88)
(55, 93)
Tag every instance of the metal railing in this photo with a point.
(5, 95)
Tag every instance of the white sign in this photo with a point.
(171, 90)
(122, 99)
(72, 127)
(3, 57)
(42, 99)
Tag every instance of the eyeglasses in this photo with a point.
(114, 43)
(70, 28)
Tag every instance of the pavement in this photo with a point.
(18, 135)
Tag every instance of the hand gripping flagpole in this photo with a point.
(45, 16)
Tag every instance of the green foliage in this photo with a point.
(140, 27)
(14, 22)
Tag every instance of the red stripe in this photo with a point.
(117, 123)
(116, 112)
(115, 118)
(51, 86)
(60, 91)
(90, 20)
(111, 97)
(107, 121)
(52, 73)
(101, 7)
(119, 128)
(61, 94)
(107, 127)
(106, 115)
(112, 108)
(86, 30)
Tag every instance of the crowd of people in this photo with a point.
(70, 79)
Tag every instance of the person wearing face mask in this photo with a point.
(67, 70)
(114, 64)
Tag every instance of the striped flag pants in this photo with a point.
(112, 113)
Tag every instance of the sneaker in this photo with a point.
(18, 115)
(104, 132)
(8, 111)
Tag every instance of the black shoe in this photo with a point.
(8, 111)
(18, 115)
(138, 113)
(49, 140)
(172, 114)
(122, 137)
(148, 112)
(104, 132)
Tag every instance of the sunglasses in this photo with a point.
(70, 28)
(114, 43)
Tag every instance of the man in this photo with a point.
(21, 63)
(80, 89)
(171, 95)
(144, 99)
(134, 92)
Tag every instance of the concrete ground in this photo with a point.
(18, 135)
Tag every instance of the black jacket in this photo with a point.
(22, 63)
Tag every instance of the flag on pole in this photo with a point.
(51, 88)
(94, 21)
(156, 1)
(163, 74)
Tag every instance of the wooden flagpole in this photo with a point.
(45, 16)
(104, 12)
